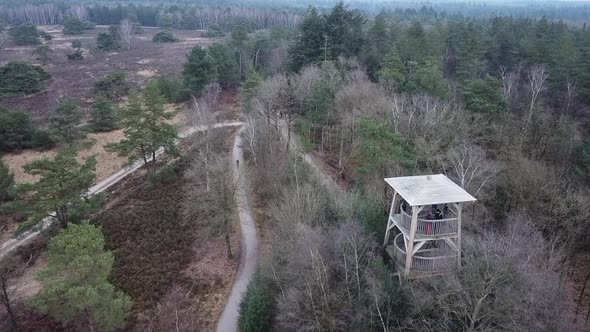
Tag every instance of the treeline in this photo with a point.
(185, 16)
(571, 12)
(418, 54)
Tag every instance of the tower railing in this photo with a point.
(437, 258)
(429, 227)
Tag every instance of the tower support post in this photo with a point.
(390, 220)
(410, 246)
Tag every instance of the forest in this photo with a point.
(325, 99)
(497, 105)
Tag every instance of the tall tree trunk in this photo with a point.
(145, 161)
(288, 131)
(6, 302)
(227, 240)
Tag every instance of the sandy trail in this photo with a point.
(228, 322)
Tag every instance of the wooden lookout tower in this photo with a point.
(426, 210)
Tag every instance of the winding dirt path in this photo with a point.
(228, 322)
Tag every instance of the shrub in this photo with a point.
(104, 115)
(73, 26)
(164, 36)
(42, 139)
(113, 85)
(21, 78)
(42, 53)
(6, 183)
(109, 41)
(77, 43)
(18, 132)
(173, 89)
(256, 308)
(76, 55)
(214, 31)
(25, 34)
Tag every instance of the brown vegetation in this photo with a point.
(76, 80)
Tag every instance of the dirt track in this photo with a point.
(228, 322)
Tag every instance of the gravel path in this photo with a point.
(228, 322)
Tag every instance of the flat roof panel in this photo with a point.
(429, 189)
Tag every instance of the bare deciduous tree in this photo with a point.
(510, 83)
(508, 282)
(127, 31)
(268, 96)
(340, 265)
(202, 116)
(468, 165)
(251, 132)
(223, 197)
(537, 77)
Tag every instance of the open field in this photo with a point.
(145, 60)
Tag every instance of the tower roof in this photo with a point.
(429, 189)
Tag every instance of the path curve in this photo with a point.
(228, 322)
(99, 187)
(323, 176)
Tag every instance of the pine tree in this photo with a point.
(62, 181)
(414, 46)
(393, 71)
(429, 78)
(226, 65)
(65, 123)
(75, 281)
(484, 96)
(378, 45)
(249, 88)
(109, 41)
(344, 32)
(199, 70)
(309, 45)
(144, 120)
(104, 116)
